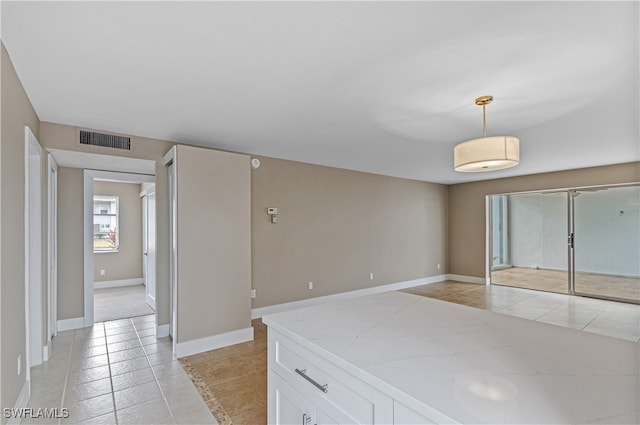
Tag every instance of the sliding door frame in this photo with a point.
(570, 191)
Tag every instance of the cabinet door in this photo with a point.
(322, 418)
(285, 405)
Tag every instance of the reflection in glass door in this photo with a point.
(606, 227)
(529, 241)
(500, 232)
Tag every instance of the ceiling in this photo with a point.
(382, 87)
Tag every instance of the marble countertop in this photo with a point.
(472, 365)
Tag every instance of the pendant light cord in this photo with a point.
(484, 121)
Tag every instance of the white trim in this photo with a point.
(162, 331)
(21, 402)
(467, 279)
(261, 311)
(88, 248)
(170, 156)
(170, 161)
(213, 342)
(46, 352)
(33, 160)
(117, 283)
(70, 324)
(52, 246)
(488, 248)
(149, 190)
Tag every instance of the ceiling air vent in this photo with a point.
(105, 140)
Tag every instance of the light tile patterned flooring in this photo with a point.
(116, 372)
(616, 319)
(607, 286)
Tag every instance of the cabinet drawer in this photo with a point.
(310, 374)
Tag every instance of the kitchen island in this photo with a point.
(402, 358)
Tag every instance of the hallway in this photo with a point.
(116, 372)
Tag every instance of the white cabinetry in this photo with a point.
(304, 388)
(406, 416)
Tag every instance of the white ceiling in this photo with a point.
(383, 87)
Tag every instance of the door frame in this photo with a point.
(146, 213)
(33, 159)
(89, 177)
(569, 191)
(52, 246)
(170, 161)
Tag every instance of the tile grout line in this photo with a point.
(66, 375)
(155, 376)
(113, 393)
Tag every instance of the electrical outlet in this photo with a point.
(103, 272)
(19, 364)
(370, 276)
(253, 293)
(310, 285)
(438, 266)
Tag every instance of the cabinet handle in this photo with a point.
(324, 388)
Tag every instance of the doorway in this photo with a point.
(606, 242)
(113, 269)
(148, 197)
(35, 349)
(582, 241)
(121, 286)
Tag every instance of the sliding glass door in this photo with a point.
(582, 241)
(529, 230)
(606, 227)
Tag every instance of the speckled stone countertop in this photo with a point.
(471, 365)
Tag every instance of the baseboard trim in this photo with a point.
(467, 279)
(116, 283)
(46, 353)
(162, 331)
(256, 313)
(213, 342)
(70, 324)
(21, 402)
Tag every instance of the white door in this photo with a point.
(149, 247)
(53, 247)
(33, 250)
(173, 317)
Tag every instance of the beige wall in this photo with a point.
(59, 136)
(70, 244)
(467, 207)
(127, 262)
(336, 226)
(17, 112)
(214, 242)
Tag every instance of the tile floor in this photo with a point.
(237, 378)
(237, 375)
(556, 281)
(616, 319)
(119, 303)
(116, 372)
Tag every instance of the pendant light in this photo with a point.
(487, 153)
